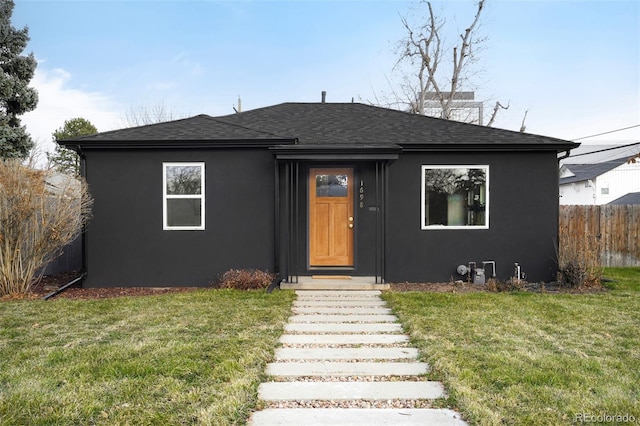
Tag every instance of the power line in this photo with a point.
(606, 133)
(605, 149)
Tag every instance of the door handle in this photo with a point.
(350, 225)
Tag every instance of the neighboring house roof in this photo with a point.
(630, 198)
(582, 172)
(322, 125)
(591, 154)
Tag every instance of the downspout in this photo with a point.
(567, 153)
(64, 287)
(557, 242)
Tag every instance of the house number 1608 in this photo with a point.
(361, 194)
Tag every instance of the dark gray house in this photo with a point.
(317, 188)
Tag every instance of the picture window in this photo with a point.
(455, 197)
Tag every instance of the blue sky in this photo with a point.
(573, 65)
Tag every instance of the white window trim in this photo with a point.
(166, 197)
(423, 194)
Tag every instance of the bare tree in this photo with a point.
(40, 213)
(143, 115)
(433, 81)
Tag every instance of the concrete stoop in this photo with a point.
(339, 284)
(345, 339)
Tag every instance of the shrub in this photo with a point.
(512, 284)
(579, 263)
(246, 279)
(39, 214)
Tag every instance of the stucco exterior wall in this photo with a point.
(126, 243)
(523, 219)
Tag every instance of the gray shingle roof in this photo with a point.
(326, 124)
(630, 198)
(199, 127)
(584, 172)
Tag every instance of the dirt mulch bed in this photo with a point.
(51, 283)
(465, 287)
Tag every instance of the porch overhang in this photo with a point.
(337, 152)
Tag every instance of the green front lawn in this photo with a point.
(188, 358)
(525, 358)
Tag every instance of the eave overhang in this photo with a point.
(504, 147)
(337, 152)
(80, 145)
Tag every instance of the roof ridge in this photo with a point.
(220, 120)
(407, 113)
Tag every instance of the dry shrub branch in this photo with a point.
(579, 261)
(246, 279)
(40, 213)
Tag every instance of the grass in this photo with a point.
(187, 358)
(532, 358)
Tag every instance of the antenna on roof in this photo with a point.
(239, 109)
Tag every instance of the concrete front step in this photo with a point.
(343, 310)
(343, 339)
(308, 303)
(330, 285)
(320, 318)
(348, 391)
(338, 293)
(356, 416)
(374, 328)
(343, 369)
(345, 353)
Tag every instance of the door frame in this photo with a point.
(291, 220)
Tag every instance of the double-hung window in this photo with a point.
(455, 197)
(183, 196)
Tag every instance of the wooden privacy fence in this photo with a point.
(615, 229)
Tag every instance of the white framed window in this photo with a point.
(183, 196)
(455, 197)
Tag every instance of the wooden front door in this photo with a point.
(331, 217)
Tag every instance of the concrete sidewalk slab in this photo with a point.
(337, 297)
(324, 363)
(300, 303)
(348, 391)
(345, 353)
(343, 339)
(319, 318)
(339, 293)
(357, 416)
(334, 369)
(341, 310)
(343, 328)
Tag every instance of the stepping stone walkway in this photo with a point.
(345, 361)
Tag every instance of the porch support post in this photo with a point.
(381, 224)
(276, 225)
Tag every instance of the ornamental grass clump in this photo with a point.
(246, 279)
(40, 213)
